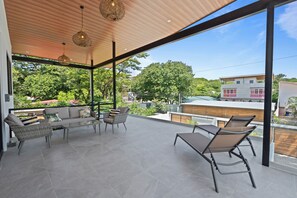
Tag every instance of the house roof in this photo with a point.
(258, 76)
(37, 28)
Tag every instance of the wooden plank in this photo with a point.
(285, 142)
(186, 119)
(224, 112)
(175, 118)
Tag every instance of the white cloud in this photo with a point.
(261, 36)
(287, 21)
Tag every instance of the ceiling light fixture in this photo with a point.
(63, 59)
(81, 38)
(113, 10)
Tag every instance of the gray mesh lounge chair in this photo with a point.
(27, 132)
(225, 140)
(121, 117)
(234, 121)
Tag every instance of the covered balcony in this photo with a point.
(142, 160)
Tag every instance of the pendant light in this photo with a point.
(81, 38)
(112, 10)
(63, 59)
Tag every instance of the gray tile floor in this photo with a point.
(139, 163)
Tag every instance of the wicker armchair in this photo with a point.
(121, 117)
(27, 132)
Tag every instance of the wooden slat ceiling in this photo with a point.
(38, 27)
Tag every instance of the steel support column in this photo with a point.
(268, 84)
(114, 74)
(92, 85)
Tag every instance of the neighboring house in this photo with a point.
(247, 88)
(286, 91)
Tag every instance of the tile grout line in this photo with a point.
(49, 176)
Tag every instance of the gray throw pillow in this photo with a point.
(13, 120)
(52, 117)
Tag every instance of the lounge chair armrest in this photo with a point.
(32, 131)
(105, 115)
(120, 118)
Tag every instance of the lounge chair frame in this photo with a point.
(214, 130)
(211, 160)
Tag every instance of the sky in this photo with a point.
(237, 48)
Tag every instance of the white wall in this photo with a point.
(286, 90)
(5, 47)
(243, 90)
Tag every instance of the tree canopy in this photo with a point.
(163, 81)
(47, 82)
(204, 87)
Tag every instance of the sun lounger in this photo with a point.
(225, 140)
(235, 121)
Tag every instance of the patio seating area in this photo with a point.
(141, 162)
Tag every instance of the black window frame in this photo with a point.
(9, 75)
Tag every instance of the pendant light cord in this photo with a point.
(64, 48)
(82, 16)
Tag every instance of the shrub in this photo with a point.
(137, 110)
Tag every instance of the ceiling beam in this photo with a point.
(245, 11)
(48, 62)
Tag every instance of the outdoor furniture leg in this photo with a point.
(125, 126)
(250, 174)
(214, 178)
(118, 125)
(175, 139)
(99, 128)
(247, 166)
(194, 129)
(112, 128)
(49, 141)
(94, 126)
(67, 133)
(45, 138)
(20, 146)
(251, 144)
(64, 134)
(105, 127)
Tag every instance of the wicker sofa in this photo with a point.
(68, 115)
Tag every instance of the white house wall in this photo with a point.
(5, 48)
(286, 90)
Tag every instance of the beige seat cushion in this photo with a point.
(72, 120)
(74, 111)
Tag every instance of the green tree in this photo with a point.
(163, 81)
(77, 81)
(44, 82)
(275, 86)
(103, 77)
(131, 64)
(42, 87)
(292, 104)
(204, 87)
